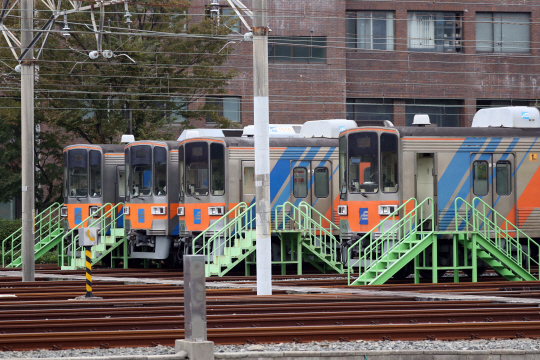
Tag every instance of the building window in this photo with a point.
(370, 109)
(372, 30)
(434, 31)
(227, 17)
(228, 107)
(487, 104)
(301, 49)
(442, 113)
(503, 33)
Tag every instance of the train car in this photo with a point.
(93, 175)
(151, 198)
(218, 173)
(496, 160)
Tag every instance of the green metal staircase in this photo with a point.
(390, 250)
(228, 241)
(309, 235)
(495, 240)
(112, 239)
(48, 233)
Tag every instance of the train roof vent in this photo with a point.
(326, 128)
(510, 116)
(421, 120)
(195, 133)
(276, 130)
(126, 139)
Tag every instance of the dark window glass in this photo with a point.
(181, 173)
(480, 178)
(363, 162)
(370, 109)
(65, 173)
(121, 183)
(78, 176)
(127, 159)
(442, 113)
(197, 168)
(343, 164)
(389, 162)
(434, 31)
(503, 172)
(300, 182)
(301, 49)
(95, 173)
(228, 107)
(160, 171)
(217, 167)
(141, 170)
(321, 182)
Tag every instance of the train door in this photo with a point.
(492, 181)
(311, 183)
(425, 182)
(120, 190)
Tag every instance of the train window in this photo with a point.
(127, 168)
(342, 164)
(160, 171)
(300, 182)
(141, 170)
(121, 183)
(480, 178)
(65, 169)
(363, 162)
(321, 182)
(217, 168)
(78, 181)
(181, 172)
(249, 180)
(197, 168)
(503, 171)
(95, 173)
(389, 162)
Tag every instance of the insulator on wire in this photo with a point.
(128, 15)
(65, 29)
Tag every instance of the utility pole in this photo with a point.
(27, 140)
(262, 147)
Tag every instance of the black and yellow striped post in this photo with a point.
(88, 251)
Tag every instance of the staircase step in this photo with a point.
(233, 251)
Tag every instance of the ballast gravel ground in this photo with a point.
(469, 345)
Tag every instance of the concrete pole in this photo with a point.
(262, 146)
(27, 141)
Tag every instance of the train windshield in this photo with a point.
(141, 170)
(181, 172)
(160, 171)
(95, 173)
(197, 168)
(217, 162)
(77, 174)
(363, 162)
(389, 162)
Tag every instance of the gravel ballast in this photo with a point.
(469, 345)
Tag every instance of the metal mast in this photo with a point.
(262, 147)
(27, 139)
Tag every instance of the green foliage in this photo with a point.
(50, 257)
(8, 227)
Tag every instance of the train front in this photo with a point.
(368, 178)
(202, 186)
(151, 198)
(85, 169)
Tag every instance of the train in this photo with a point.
(354, 175)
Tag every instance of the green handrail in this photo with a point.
(499, 232)
(388, 240)
(301, 218)
(45, 223)
(107, 219)
(231, 230)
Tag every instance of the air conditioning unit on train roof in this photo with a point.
(276, 130)
(511, 117)
(195, 133)
(326, 128)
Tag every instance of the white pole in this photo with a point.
(262, 147)
(27, 141)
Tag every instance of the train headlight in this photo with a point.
(125, 210)
(342, 210)
(64, 211)
(387, 209)
(93, 211)
(180, 211)
(216, 210)
(159, 210)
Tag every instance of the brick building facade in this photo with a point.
(367, 60)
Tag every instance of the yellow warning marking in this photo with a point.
(90, 237)
(533, 157)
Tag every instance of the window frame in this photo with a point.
(306, 184)
(441, 42)
(381, 169)
(315, 187)
(353, 38)
(218, 101)
(499, 43)
(474, 177)
(154, 171)
(211, 171)
(508, 179)
(274, 42)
